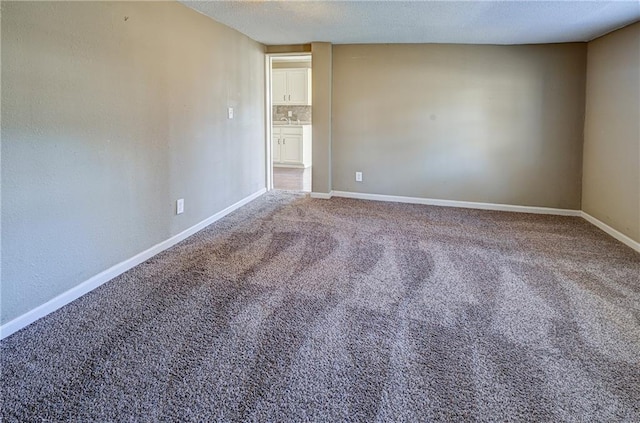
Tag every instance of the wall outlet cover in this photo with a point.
(358, 176)
(180, 206)
(230, 112)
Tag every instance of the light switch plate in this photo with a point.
(230, 112)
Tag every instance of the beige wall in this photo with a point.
(113, 110)
(321, 111)
(498, 124)
(110, 112)
(611, 173)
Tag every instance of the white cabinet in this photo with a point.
(279, 86)
(291, 86)
(299, 86)
(291, 149)
(277, 146)
(291, 146)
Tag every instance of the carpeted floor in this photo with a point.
(293, 309)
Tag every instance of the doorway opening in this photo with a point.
(289, 140)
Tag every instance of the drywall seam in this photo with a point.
(105, 276)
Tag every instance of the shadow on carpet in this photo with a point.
(295, 309)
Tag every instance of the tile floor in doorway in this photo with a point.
(292, 179)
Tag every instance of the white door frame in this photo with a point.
(268, 64)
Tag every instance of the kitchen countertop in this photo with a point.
(293, 123)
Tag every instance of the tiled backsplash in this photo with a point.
(301, 113)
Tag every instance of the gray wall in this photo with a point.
(110, 112)
(611, 174)
(321, 111)
(499, 124)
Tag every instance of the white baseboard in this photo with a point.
(321, 195)
(613, 232)
(105, 276)
(454, 203)
(484, 206)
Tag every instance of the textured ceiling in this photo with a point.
(461, 22)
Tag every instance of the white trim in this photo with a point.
(105, 276)
(321, 195)
(269, 115)
(268, 124)
(454, 203)
(613, 232)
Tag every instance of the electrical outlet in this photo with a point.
(290, 113)
(230, 112)
(180, 206)
(358, 176)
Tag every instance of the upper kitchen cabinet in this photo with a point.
(291, 86)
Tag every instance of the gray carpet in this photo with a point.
(293, 309)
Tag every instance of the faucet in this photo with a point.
(286, 120)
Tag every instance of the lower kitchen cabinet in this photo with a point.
(291, 146)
